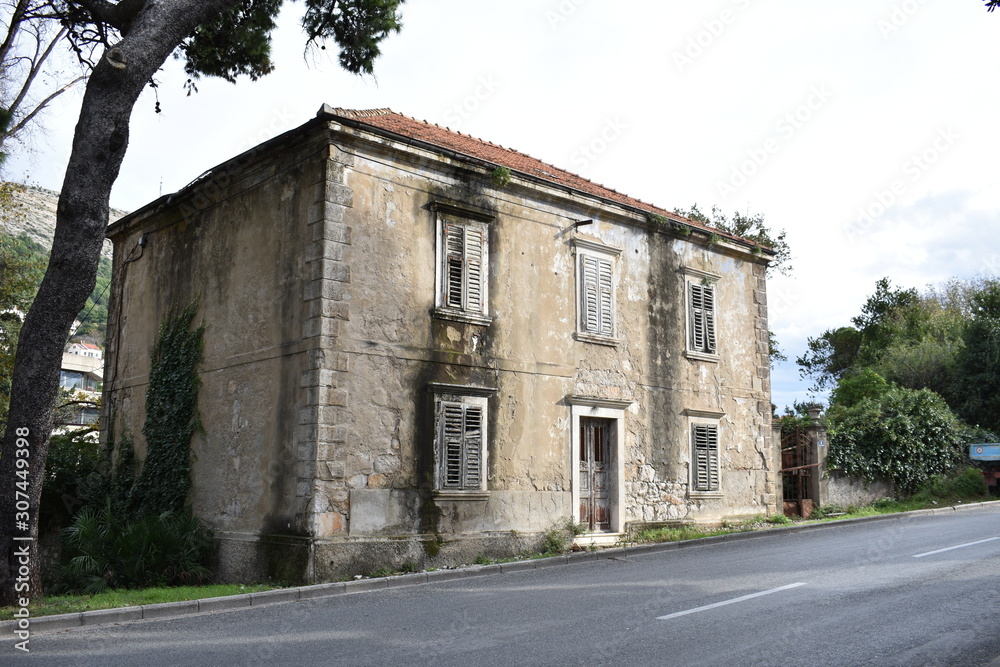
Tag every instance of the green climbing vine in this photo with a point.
(171, 415)
(139, 532)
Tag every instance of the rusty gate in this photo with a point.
(797, 470)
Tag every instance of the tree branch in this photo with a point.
(117, 15)
(27, 119)
(15, 26)
(89, 404)
(37, 62)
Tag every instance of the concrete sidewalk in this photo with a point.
(173, 609)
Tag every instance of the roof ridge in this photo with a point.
(362, 113)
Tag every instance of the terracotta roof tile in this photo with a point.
(391, 121)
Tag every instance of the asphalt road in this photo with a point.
(923, 590)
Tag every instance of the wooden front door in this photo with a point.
(595, 473)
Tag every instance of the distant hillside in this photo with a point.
(38, 220)
(32, 214)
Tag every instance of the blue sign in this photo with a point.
(989, 452)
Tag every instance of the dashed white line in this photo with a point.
(727, 602)
(957, 546)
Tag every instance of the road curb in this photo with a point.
(167, 610)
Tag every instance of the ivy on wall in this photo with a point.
(171, 415)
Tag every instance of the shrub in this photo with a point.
(903, 436)
(960, 484)
(854, 388)
(555, 541)
(72, 477)
(101, 550)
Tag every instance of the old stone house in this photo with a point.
(421, 347)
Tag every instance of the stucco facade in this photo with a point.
(412, 356)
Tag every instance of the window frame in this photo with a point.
(709, 423)
(701, 284)
(466, 400)
(471, 304)
(604, 300)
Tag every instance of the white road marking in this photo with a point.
(957, 546)
(726, 602)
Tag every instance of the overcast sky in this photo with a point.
(865, 129)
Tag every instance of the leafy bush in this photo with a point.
(72, 476)
(961, 484)
(554, 541)
(101, 550)
(854, 388)
(903, 436)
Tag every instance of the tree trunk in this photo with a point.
(99, 146)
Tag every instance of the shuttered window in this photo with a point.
(701, 309)
(596, 295)
(461, 446)
(706, 457)
(463, 275)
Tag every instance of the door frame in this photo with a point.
(613, 410)
(598, 484)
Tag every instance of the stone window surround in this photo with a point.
(585, 247)
(473, 218)
(707, 418)
(692, 275)
(467, 395)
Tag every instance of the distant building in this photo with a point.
(85, 350)
(82, 372)
(421, 347)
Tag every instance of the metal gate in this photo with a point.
(797, 473)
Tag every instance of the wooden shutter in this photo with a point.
(597, 296)
(474, 245)
(706, 453)
(708, 293)
(461, 446)
(589, 309)
(606, 287)
(473, 447)
(452, 437)
(465, 249)
(702, 317)
(454, 264)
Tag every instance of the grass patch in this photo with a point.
(113, 599)
(695, 532)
